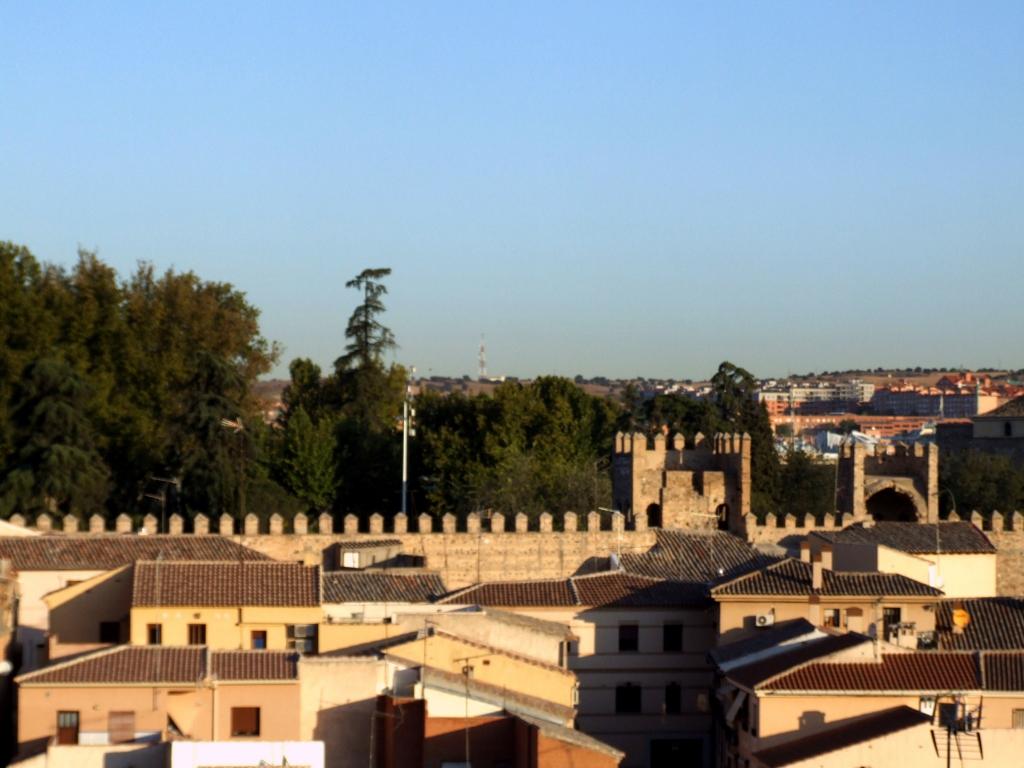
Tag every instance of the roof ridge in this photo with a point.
(752, 574)
(77, 660)
(823, 659)
(511, 654)
(574, 592)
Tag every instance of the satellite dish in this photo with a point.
(961, 618)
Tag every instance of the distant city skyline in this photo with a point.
(600, 190)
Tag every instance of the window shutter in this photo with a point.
(121, 727)
(245, 721)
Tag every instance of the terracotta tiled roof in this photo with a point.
(163, 665)
(794, 577)
(103, 552)
(841, 736)
(754, 674)
(572, 736)
(511, 701)
(545, 592)
(701, 558)
(1003, 670)
(255, 665)
(381, 587)
(368, 543)
(611, 589)
(778, 635)
(625, 590)
(921, 671)
(996, 623)
(125, 664)
(916, 538)
(268, 583)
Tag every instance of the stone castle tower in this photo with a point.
(706, 486)
(898, 483)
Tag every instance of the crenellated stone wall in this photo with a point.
(499, 547)
(910, 471)
(489, 548)
(679, 487)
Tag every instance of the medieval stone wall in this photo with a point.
(683, 488)
(485, 550)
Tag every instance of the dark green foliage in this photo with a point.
(136, 345)
(54, 463)
(806, 486)
(308, 464)
(980, 481)
(343, 432)
(528, 448)
(212, 445)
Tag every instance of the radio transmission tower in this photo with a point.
(482, 359)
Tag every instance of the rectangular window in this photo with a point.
(673, 699)
(302, 638)
(197, 634)
(949, 715)
(629, 637)
(245, 721)
(832, 617)
(1018, 718)
(121, 727)
(890, 620)
(110, 632)
(154, 634)
(627, 699)
(672, 638)
(67, 727)
(259, 639)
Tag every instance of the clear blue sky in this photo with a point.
(637, 188)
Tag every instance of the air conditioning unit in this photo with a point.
(763, 620)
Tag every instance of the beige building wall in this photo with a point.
(337, 700)
(962, 575)
(33, 615)
(75, 612)
(857, 614)
(202, 712)
(279, 705)
(514, 674)
(994, 427)
(600, 668)
(226, 628)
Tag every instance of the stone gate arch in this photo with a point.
(894, 500)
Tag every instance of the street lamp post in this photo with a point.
(407, 412)
(238, 427)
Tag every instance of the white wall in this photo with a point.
(192, 754)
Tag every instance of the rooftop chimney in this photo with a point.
(805, 551)
(826, 557)
(816, 578)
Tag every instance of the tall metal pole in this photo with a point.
(406, 412)
(405, 449)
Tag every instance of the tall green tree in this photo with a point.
(213, 446)
(735, 409)
(309, 463)
(305, 391)
(54, 464)
(368, 338)
(531, 448)
(981, 481)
